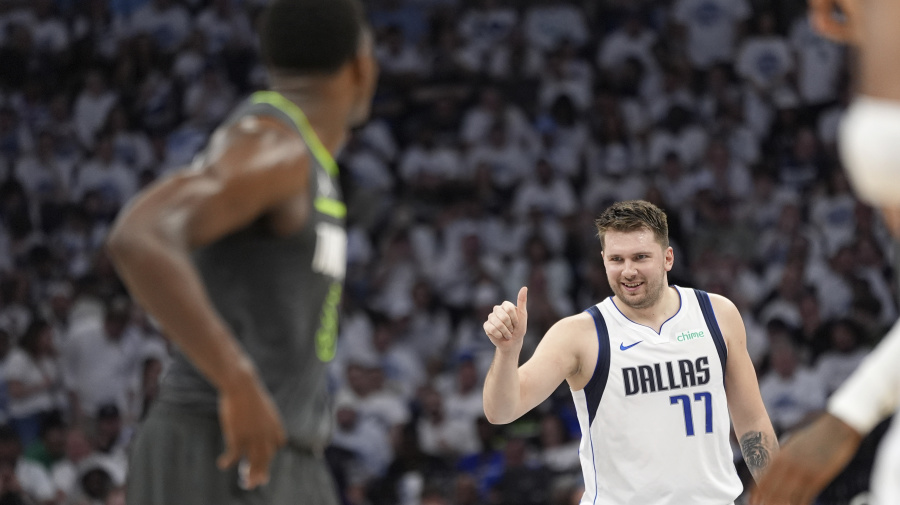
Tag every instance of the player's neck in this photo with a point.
(322, 109)
(654, 316)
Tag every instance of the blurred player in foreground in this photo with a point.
(648, 369)
(870, 134)
(241, 259)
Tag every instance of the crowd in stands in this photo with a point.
(501, 128)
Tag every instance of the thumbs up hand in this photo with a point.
(506, 324)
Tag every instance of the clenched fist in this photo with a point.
(506, 325)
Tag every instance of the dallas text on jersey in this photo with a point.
(679, 374)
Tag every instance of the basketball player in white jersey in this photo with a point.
(869, 136)
(648, 369)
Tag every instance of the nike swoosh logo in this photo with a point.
(623, 347)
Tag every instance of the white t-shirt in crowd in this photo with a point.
(819, 63)
(169, 28)
(21, 367)
(765, 60)
(788, 400)
(546, 26)
(711, 26)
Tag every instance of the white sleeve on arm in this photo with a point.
(872, 393)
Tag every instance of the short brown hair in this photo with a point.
(633, 215)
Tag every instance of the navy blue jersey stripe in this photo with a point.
(713, 325)
(593, 391)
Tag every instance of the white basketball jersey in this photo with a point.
(885, 484)
(654, 420)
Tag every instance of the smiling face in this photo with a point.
(636, 266)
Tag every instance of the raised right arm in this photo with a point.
(510, 390)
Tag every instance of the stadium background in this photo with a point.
(500, 130)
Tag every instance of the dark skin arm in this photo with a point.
(808, 462)
(255, 169)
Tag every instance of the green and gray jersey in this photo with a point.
(278, 295)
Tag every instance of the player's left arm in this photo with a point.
(748, 413)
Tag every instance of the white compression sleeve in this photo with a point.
(870, 149)
(872, 393)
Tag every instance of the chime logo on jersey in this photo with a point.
(690, 335)
(331, 251)
(666, 376)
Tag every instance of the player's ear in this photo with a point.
(365, 66)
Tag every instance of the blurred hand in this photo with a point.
(891, 217)
(252, 429)
(506, 325)
(823, 14)
(807, 463)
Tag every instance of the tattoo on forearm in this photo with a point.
(756, 454)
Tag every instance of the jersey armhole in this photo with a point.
(593, 391)
(713, 324)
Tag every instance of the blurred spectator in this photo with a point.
(34, 380)
(462, 396)
(168, 22)
(365, 391)
(45, 174)
(484, 25)
(403, 371)
(791, 392)
(549, 192)
(131, 146)
(819, 63)
(765, 58)
(632, 40)
(712, 26)
(50, 448)
(398, 57)
(846, 352)
(494, 112)
(427, 166)
(92, 107)
(411, 467)
(503, 162)
(210, 98)
(549, 23)
(559, 451)
(98, 359)
(723, 174)
(51, 35)
(112, 180)
(225, 26)
(24, 479)
(146, 388)
(523, 482)
(566, 75)
(15, 138)
(429, 325)
(557, 271)
(364, 438)
(441, 435)
(485, 466)
(64, 471)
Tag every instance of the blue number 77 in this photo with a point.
(688, 416)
